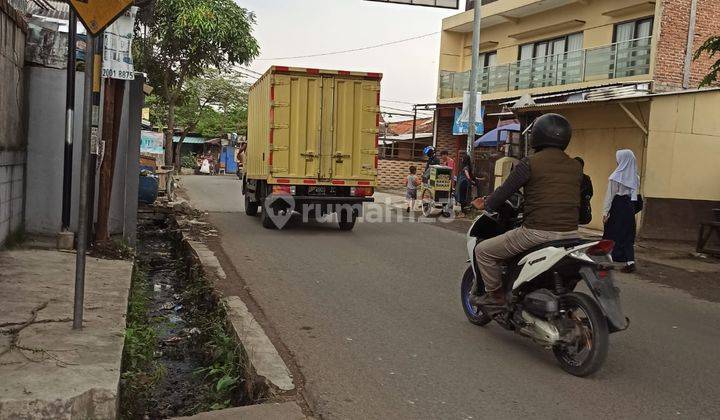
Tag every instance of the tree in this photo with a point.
(711, 47)
(181, 39)
(210, 104)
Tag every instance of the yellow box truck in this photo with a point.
(312, 144)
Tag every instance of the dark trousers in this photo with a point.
(621, 228)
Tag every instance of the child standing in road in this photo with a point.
(412, 183)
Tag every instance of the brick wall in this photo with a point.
(672, 44)
(393, 173)
(446, 140)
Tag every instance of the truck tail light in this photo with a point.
(361, 191)
(603, 247)
(283, 189)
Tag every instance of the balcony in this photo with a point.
(619, 60)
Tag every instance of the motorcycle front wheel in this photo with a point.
(473, 313)
(585, 353)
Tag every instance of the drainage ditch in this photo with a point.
(180, 356)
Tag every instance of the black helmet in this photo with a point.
(550, 130)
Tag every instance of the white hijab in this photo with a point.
(626, 172)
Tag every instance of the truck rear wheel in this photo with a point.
(346, 220)
(251, 207)
(266, 220)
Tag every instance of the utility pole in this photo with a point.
(414, 132)
(82, 241)
(474, 76)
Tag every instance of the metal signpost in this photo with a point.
(96, 15)
(69, 121)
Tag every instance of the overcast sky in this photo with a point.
(302, 27)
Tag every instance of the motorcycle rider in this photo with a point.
(551, 181)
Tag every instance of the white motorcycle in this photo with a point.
(540, 289)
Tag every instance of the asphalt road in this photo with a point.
(373, 320)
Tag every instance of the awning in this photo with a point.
(189, 140)
(581, 97)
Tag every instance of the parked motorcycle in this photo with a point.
(540, 289)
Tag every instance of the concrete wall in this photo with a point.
(12, 133)
(683, 171)
(599, 131)
(46, 125)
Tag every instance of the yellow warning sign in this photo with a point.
(96, 15)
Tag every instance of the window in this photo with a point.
(632, 47)
(488, 59)
(567, 43)
(637, 29)
(550, 62)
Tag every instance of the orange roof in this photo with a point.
(424, 125)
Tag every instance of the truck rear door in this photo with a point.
(324, 126)
(297, 114)
(355, 123)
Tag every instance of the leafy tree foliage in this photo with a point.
(213, 105)
(180, 40)
(711, 47)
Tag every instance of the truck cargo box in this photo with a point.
(310, 126)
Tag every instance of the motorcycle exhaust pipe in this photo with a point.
(539, 330)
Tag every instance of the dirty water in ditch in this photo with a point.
(179, 358)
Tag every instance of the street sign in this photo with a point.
(117, 56)
(96, 15)
(443, 4)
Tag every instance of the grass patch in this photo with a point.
(141, 372)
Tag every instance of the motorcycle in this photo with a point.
(540, 284)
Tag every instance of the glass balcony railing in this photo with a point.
(622, 59)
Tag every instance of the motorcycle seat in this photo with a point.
(563, 243)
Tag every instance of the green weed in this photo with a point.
(140, 370)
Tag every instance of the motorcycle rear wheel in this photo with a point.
(473, 313)
(585, 356)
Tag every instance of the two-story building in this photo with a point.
(621, 71)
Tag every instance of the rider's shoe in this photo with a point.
(491, 303)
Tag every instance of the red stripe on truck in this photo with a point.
(344, 73)
(282, 68)
(374, 75)
(337, 182)
(283, 181)
(313, 71)
(363, 182)
(309, 181)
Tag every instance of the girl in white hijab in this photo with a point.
(620, 207)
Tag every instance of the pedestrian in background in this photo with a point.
(465, 183)
(446, 160)
(622, 202)
(586, 195)
(411, 193)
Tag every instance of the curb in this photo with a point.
(272, 411)
(265, 360)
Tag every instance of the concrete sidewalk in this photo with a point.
(47, 370)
